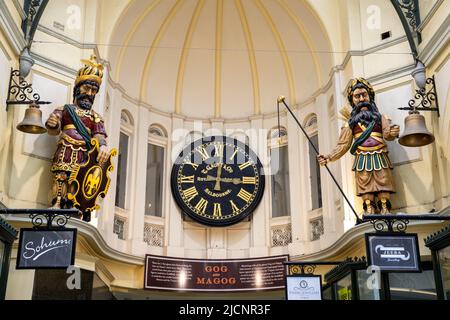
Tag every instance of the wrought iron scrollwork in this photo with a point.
(49, 220)
(425, 100)
(302, 269)
(390, 225)
(410, 10)
(21, 92)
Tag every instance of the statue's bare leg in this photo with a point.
(383, 202)
(59, 190)
(369, 203)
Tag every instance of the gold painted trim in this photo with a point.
(152, 51)
(251, 56)
(282, 49)
(185, 53)
(301, 27)
(130, 34)
(218, 76)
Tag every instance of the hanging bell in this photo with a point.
(416, 133)
(32, 122)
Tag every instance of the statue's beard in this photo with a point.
(84, 101)
(365, 117)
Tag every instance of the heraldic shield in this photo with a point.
(89, 181)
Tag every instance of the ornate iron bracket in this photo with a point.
(34, 10)
(424, 100)
(409, 14)
(46, 218)
(307, 267)
(21, 92)
(398, 223)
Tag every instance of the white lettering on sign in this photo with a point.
(392, 252)
(34, 251)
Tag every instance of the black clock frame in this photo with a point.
(217, 223)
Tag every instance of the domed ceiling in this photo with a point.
(219, 58)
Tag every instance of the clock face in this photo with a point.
(217, 181)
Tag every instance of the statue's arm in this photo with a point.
(53, 123)
(343, 145)
(389, 133)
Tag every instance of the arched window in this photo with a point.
(126, 130)
(279, 164)
(157, 141)
(314, 168)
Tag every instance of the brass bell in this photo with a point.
(32, 122)
(416, 133)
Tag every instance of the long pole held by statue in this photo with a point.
(281, 99)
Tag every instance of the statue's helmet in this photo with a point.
(359, 83)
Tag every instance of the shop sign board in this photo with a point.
(167, 273)
(46, 248)
(304, 287)
(394, 252)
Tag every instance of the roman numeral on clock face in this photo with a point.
(217, 210)
(189, 179)
(201, 205)
(249, 180)
(195, 166)
(218, 150)
(245, 165)
(190, 193)
(203, 153)
(234, 207)
(244, 195)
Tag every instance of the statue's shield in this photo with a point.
(90, 180)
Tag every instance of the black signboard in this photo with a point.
(46, 248)
(167, 273)
(393, 252)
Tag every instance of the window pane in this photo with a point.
(413, 286)
(122, 170)
(316, 190)
(327, 293)
(344, 288)
(280, 182)
(155, 174)
(444, 260)
(366, 293)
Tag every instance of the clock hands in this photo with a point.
(219, 173)
(226, 180)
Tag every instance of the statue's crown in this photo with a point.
(92, 71)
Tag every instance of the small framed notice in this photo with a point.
(304, 287)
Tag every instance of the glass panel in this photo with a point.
(280, 182)
(2, 256)
(366, 287)
(344, 288)
(316, 190)
(413, 286)
(444, 260)
(155, 174)
(327, 293)
(122, 170)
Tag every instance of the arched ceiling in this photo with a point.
(219, 58)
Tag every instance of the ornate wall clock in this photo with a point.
(217, 181)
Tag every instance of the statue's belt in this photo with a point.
(376, 136)
(71, 126)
